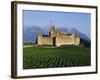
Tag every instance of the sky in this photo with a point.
(80, 21)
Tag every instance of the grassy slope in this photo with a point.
(44, 57)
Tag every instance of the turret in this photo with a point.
(77, 39)
(53, 31)
(39, 38)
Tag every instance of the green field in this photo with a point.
(49, 57)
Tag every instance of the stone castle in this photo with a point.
(56, 38)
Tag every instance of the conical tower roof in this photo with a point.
(53, 27)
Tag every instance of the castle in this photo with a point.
(56, 38)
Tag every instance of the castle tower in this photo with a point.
(53, 31)
(77, 40)
(39, 38)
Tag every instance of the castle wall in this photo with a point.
(45, 41)
(64, 40)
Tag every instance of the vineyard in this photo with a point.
(50, 57)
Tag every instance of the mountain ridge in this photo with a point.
(30, 33)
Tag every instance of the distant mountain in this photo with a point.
(31, 32)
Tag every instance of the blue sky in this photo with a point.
(80, 21)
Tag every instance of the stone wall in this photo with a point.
(45, 41)
(64, 40)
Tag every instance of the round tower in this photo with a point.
(39, 38)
